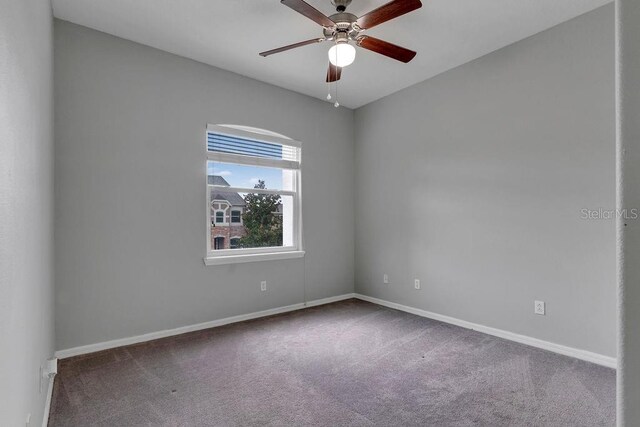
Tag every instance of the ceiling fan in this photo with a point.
(345, 30)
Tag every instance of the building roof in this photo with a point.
(233, 198)
(217, 180)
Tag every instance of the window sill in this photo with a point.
(236, 259)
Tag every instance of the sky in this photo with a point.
(246, 176)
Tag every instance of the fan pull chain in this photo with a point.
(328, 90)
(337, 104)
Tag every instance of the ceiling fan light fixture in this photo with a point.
(342, 54)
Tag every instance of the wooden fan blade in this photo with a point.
(333, 73)
(291, 46)
(387, 12)
(309, 11)
(387, 49)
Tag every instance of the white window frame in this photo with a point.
(231, 211)
(215, 217)
(230, 256)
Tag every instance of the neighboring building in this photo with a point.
(226, 216)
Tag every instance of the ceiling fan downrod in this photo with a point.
(341, 5)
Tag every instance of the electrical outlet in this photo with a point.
(416, 283)
(538, 307)
(263, 285)
(385, 278)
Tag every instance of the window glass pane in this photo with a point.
(267, 221)
(236, 216)
(243, 176)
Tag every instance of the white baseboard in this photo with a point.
(523, 339)
(588, 356)
(47, 404)
(91, 348)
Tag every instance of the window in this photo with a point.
(218, 242)
(255, 174)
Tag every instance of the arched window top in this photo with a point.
(256, 130)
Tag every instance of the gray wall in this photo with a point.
(474, 181)
(130, 191)
(628, 192)
(26, 209)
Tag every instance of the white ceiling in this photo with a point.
(230, 33)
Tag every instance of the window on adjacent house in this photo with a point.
(218, 243)
(258, 173)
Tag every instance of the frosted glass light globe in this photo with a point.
(342, 54)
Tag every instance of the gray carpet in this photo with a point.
(345, 364)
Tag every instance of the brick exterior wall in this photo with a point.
(227, 232)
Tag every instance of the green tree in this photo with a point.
(261, 220)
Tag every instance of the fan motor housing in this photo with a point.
(344, 24)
